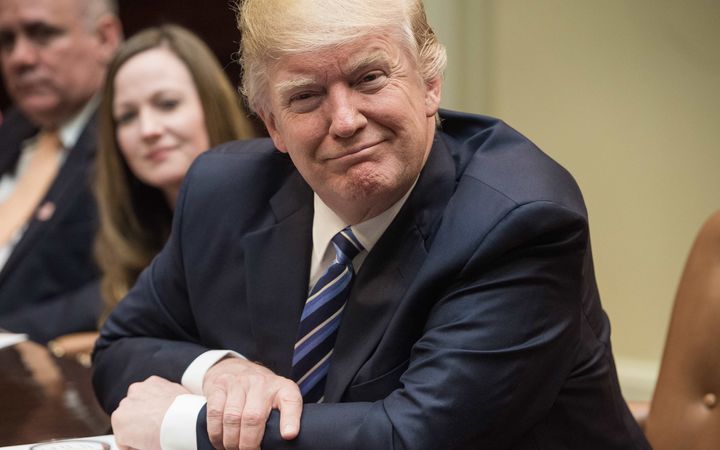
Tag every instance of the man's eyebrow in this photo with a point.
(372, 59)
(31, 28)
(39, 24)
(286, 86)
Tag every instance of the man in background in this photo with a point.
(53, 55)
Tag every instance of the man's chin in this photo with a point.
(368, 185)
(42, 111)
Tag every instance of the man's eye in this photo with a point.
(304, 102)
(302, 96)
(371, 80)
(370, 77)
(42, 34)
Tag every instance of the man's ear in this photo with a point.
(108, 30)
(433, 94)
(269, 121)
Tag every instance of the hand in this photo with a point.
(136, 423)
(240, 395)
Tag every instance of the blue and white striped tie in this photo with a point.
(321, 319)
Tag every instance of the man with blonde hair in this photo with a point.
(379, 274)
(53, 55)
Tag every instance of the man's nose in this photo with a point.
(345, 117)
(22, 54)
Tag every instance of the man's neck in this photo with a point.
(71, 128)
(360, 210)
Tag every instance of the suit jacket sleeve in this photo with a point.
(74, 311)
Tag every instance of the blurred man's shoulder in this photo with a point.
(16, 124)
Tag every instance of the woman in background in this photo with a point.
(166, 100)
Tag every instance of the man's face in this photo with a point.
(357, 121)
(52, 58)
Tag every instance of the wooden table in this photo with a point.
(43, 397)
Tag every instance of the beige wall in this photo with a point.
(626, 95)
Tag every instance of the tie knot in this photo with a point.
(346, 245)
(48, 141)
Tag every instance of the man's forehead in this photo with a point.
(346, 59)
(25, 12)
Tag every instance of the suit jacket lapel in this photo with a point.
(15, 130)
(277, 261)
(72, 178)
(389, 269)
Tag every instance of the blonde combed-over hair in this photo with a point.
(272, 28)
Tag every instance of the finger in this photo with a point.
(255, 414)
(290, 404)
(121, 444)
(232, 416)
(117, 420)
(215, 407)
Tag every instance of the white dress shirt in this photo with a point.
(177, 431)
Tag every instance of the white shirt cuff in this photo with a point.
(194, 375)
(177, 431)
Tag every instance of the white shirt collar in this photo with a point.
(69, 132)
(327, 224)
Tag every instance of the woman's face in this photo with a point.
(160, 125)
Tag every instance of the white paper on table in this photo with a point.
(8, 339)
(81, 443)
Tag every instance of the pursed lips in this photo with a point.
(355, 150)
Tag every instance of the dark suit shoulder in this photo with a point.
(238, 178)
(247, 156)
(249, 165)
(14, 130)
(489, 151)
(15, 123)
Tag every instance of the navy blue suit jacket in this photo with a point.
(48, 285)
(473, 323)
